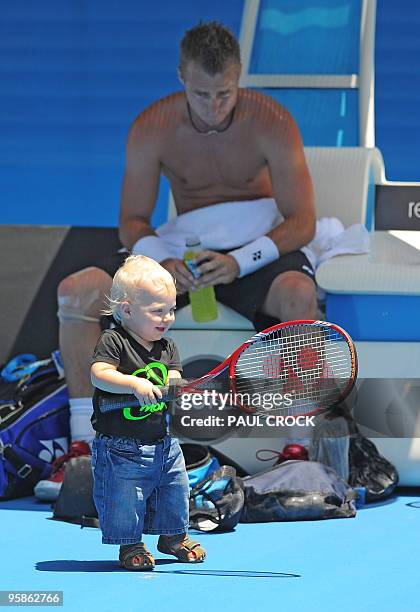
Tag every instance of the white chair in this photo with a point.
(344, 181)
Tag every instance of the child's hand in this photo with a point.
(145, 391)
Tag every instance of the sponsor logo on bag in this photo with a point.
(53, 449)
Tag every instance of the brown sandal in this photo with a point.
(181, 549)
(137, 557)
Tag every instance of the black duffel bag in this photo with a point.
(369, 469)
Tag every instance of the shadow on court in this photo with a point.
(67, 565)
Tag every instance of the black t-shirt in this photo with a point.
(119, 348)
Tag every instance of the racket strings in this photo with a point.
(311, 362)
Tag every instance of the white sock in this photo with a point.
(81, 409)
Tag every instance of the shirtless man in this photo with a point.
(215, 143)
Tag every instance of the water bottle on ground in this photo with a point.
(203, 301)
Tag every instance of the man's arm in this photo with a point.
(291, 183)
(139, 191)
(141, 182)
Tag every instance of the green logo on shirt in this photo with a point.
(157, 373)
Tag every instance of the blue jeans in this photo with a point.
(139, 488)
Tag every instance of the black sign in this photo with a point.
(397, 207)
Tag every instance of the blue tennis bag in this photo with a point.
(34, 422)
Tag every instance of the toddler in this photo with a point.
(140, 479)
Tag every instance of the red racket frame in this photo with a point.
(232, 359)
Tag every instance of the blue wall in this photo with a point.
(73, 76)
(397, 89)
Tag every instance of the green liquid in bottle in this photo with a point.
(203, 301)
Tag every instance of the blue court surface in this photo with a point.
(370, 562)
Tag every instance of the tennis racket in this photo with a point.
(305, 366)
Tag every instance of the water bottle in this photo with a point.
(203, 301)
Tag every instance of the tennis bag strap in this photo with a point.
(27, 473)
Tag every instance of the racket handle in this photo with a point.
(174, 389)
(168, 393)
(119, 401)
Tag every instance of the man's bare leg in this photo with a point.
(292, 295)
(80, 300)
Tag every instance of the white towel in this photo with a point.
(221, 226)
(331, 238)
(233, 224)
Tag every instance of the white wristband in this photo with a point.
(255, 255)
(151, 246)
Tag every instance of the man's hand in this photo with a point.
(146, 392)
(184, 279)
(216, 269)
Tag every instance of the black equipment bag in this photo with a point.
(216, 502)
(369, 469)
(75, 502)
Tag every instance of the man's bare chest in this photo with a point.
(207, 160)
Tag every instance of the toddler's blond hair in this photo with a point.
(129, 280)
